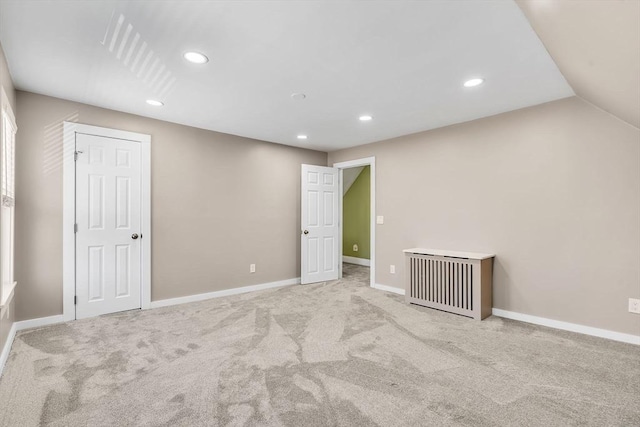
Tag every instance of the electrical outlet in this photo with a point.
(380, 219)
(355, 248)
(392, 269)
(252, 268)
(634, 305)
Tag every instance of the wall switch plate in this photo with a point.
(355, 248)
(380, 219)
(634, 305)
(252, 268)
(392, 269)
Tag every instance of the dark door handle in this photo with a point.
(134, 236)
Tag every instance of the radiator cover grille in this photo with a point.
(443, 282)
(457, 285)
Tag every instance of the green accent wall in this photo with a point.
(356, 216)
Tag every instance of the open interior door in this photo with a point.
(320, 224)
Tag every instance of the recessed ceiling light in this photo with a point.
(298, 96)
(196, 57)
(473, 82)
(365, 118)
(302, 136)
(155, 103)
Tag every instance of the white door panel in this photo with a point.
(320, 224)
(108, 214)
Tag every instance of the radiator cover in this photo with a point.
(452, 281)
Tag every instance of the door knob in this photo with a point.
(306, 231)
(134, 236)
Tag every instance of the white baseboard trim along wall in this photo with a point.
(386, 288)
(556, 324)
(357, 261)
(566, 326)
(224, 293)
(7, 347)
(51, 320)
(25, 324)
(542, 321)
(39, 322)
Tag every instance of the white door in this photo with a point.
(108, 218)
(320, 224)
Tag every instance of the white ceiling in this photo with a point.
(403, 62)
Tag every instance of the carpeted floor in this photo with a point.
(333, 354)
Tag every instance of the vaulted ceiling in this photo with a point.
(402, 62)
(596, 45)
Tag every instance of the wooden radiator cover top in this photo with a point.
(447, 253)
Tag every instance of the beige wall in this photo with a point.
(553, 190)
(6, 316)
(596, 45)
(219, 202)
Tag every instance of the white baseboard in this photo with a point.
(51, 320)
(224, 293)
(357, 261)
(542, 321)
(7, 347)
(566, 326)
(40, 321)
(25, 324)
(398, 291)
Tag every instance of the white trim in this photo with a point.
(340, 218)
(68, 221)
(5, 106)
(542, 321)
(587, 330)
(39, 322)
(4, 356)
(356, 261)
(6, 299)
(7, 291)
(386, 288)
(22, 325)
(366, 161)
(224, 293)
(145, 295)
(52, 320)
(69, 209)
(566, 326)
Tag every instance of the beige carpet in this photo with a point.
(334, 354)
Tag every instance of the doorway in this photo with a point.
(321, 234)
(106, 244)
(356, 225)
(355, 262)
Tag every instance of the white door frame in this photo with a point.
(70, 130)
(367, 161)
